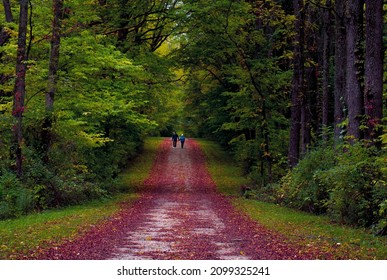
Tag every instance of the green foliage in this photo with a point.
(15, 200)
(236, 92)
(43, 229)
(109, 95)
(358, 187)
(350, 186)
(304, 229)
(227, 176)
(246, 152)
(301, 188)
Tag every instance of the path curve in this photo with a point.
(180, 215)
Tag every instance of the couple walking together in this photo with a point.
(176, 138)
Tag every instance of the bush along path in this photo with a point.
(180, 215)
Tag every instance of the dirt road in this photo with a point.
(179, 216)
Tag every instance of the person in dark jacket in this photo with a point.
(175, 138)
(182, 140)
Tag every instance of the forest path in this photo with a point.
(180, 215)
(186, 218)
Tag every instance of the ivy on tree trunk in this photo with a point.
(354, 93)
(373, 90)
(340, 69)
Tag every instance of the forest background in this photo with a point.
(293, 89)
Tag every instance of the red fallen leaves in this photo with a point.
(179, 216)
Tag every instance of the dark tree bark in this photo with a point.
(52, 77)
(54, 55)
(306, 126)
(8, 11)
(325, 74)
(373, 90)
(354, 92)
(307, 104)
(297, 84)
(340, 69)
(19, 92)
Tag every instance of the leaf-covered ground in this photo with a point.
(180, 215)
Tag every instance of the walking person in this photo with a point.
(175, 138)
(182, 140)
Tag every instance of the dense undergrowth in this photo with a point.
(43, 229)
(307, 229)
(75, 173)
(349, 185)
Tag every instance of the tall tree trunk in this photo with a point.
(19, 92)
(340, 69)
(54, 55)
(57, 7)
(4, 36)
(310, 87)
(325, 75)
(297, 84)
(266, 135)
(354, 93)
(8, 11)
(373, 91)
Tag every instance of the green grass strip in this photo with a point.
(227, 176)
(137, 171)
(35, 231)
(32, 232)
(343, 242)
(302, 228)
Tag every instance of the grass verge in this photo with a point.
(227, 176)
(35, 231)
(135, 174)
(308, 230)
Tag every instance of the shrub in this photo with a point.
(245, 152)
(381, 227)
(350, 186)
(301, 188)
(15, 200)
(357, 187)
(59, 183)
